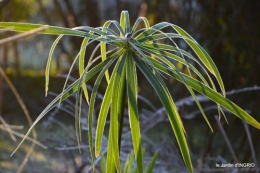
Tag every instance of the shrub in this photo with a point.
(131, 48)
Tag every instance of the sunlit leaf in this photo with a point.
(211, 94)
(53, 30)
(151, 165)
(133, 111)
(171, 111)
(47, 70)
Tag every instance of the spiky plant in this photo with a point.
(131, 48)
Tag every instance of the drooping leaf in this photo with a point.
(81, 65)
(137, 22)
(211, 94)
(47, 70)
(70, 90)
(170, 65)
(92, 102)
(203, 55)
(171, 111)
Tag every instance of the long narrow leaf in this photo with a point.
(211, 94)
(81, 65)
(170, 65)
(143, 56)
(115, 113)
(160, 36)
(158, 47)
(124, 22)
(117, 25)
(203, 55)
(91, 30)
(152, 30)
(103, 50)
(104, 110)
(82, 86)
(92, 103)
(171, 110)
(111, 166)
(151, 165)
(70, 90)
(133, 111)
(103, 115)
(161, 53)
(47, 70)
(79, 90)
(53, 30)
(146, 23)
(103, 164)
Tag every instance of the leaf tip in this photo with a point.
(46, 91)
(15, 150)
(12, 154)
(97, 154)
(258, 126)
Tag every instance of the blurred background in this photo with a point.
(230, 32)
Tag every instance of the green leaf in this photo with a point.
(170, 65)
(150, 166)
(158, 52)
(47, 70)
(81, 65)
(103, 110)
(111, 96)
(92, 103)
(129, 163)
(203, 55)
(147, 25)
(211, 94)
(91, 30)
(103, 50)
(117, 25)
(125, 22)
(103, 164)
(115, 104)
(142, 55)
(70, 90)
(79, 92)
(159, 47)
(151, 30)
(53, 30)
(171, 111)
(110, 32)
(111, 167)
(133, 111)
(159, 37)
(103, 114)
(153, 60)
(78, 106)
